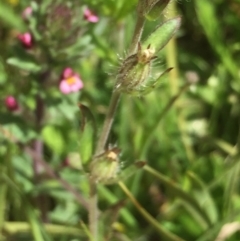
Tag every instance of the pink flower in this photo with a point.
(90, 16)
(11, 103)
(67, 72)
(70, 82)
(27, 12)
(26, 39)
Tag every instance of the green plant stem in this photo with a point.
(93, 198)
(38, 232)
(93, 210)
(108, 122)
(137, 34)
(167, 235)
(17, 228)
(3, 199)
(5, 168)
(171, 49)
(179, 192)
(152, 131)
(116, 95)
(50, 172)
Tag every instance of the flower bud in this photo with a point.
(11, 103)
(135, 70)
(105, 167)
(26, 39)
(90, 16)
(27, 13)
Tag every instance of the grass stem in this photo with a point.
(166, 234)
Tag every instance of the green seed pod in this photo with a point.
(106, 167)
(135, 70)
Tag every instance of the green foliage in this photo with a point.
(179, 153)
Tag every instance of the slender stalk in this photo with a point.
(18, 228)
(93, 199)
(50, 172)
(137, 34)
(152, 131)
(93, 210)
(3, 199)
(174, 80)
(167, 235)
(108, 122)
(172, 54)
(180, 193)
(116, 95)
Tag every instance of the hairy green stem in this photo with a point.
(137, 34)
(93, 198)
(108, 122)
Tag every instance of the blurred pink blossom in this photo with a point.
(67, 72)
(27, 12)
(11, 103)
(26, 39)
(90, 16)
(70, 82)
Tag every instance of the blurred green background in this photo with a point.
(193, 147)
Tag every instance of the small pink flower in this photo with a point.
(11, 103)
(26, 39)
(90, 16)
(27, 12)
(67, 72)
(70, 82)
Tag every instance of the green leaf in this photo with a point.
(206, 10)
(131, 170)
(15, 128)
(3, 74)
(88, 134)
(162, 34)
(53, 138)
(8, 16)
(202, 194)
(180, 193)
(156, 9)
(24, 64)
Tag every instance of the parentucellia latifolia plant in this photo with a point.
(134, 77)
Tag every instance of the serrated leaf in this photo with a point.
(162, 34)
